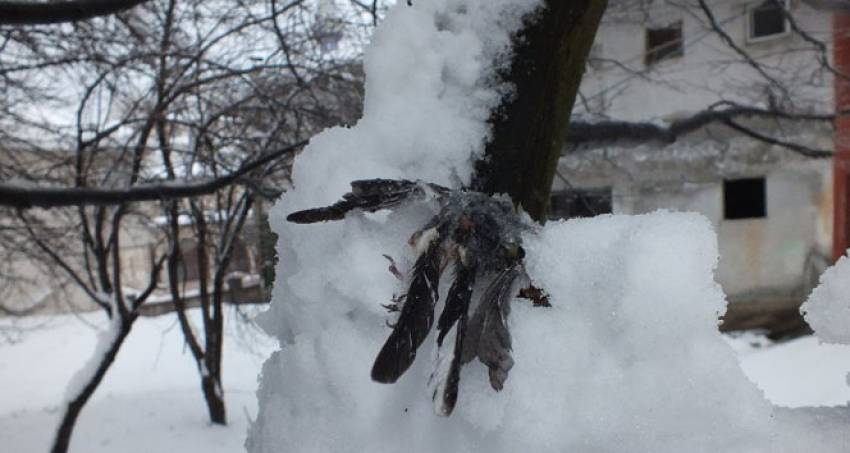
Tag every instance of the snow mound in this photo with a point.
(828, 308)
(628, 358)
(629, 354)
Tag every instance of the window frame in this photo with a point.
(762, 181)
(750, 28)
(648, 60)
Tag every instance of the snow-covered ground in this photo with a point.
(149, 402)
(797, 373)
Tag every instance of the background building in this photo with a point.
(658, 63)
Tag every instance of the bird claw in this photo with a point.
(537, 296)
(393, 268)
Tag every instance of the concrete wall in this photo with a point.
(709, 70)
(29, 284)
(775, 258)
(764, 259)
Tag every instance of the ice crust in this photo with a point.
(628, 358)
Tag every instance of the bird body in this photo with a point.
(481, 236)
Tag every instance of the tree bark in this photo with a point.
(211, 387)
(529, 130)
(207, 359)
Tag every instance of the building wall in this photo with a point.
(619, 85)
(775, 258)
(764, 259)
(38, 288)
(760, 257)
(30, 284)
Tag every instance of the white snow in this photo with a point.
(150, 400)
(429, 91)
(828, 308)
(629, 354)
(105, 340)
(798, 373)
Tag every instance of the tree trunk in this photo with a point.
(529, 130)
(211, 386)
(63, 435)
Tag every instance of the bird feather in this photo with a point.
(415, 320)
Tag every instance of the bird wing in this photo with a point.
(457, 301)
(416, 318)
(368, 195)
(452, 325)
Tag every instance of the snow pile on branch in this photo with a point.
(105, 341)
(627, 358)
(828, 308)
(430, 87)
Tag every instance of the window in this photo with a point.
(744, 198)
(663, 43)
(767, 20)
(580, 203)
(240, 260)
(188, 269)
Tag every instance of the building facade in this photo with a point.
(657, 62)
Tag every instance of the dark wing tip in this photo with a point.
(315, 215)
(383, 376)
(391, 363)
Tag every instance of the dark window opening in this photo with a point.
(767, 19)
(744, 198)
(580, 203)
(662, 43)
(240, 259)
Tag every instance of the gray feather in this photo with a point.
(488, 337)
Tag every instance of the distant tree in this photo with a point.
(172, 109)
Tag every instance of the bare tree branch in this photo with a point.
(25, 197)
(40, 13)
(744, 55)
(795, 147)
(581, 132)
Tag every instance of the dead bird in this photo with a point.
(480, 238)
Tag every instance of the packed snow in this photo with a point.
(629, 353)
(799, 373)
(828, 307)
(430, 88)
(149, 401)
